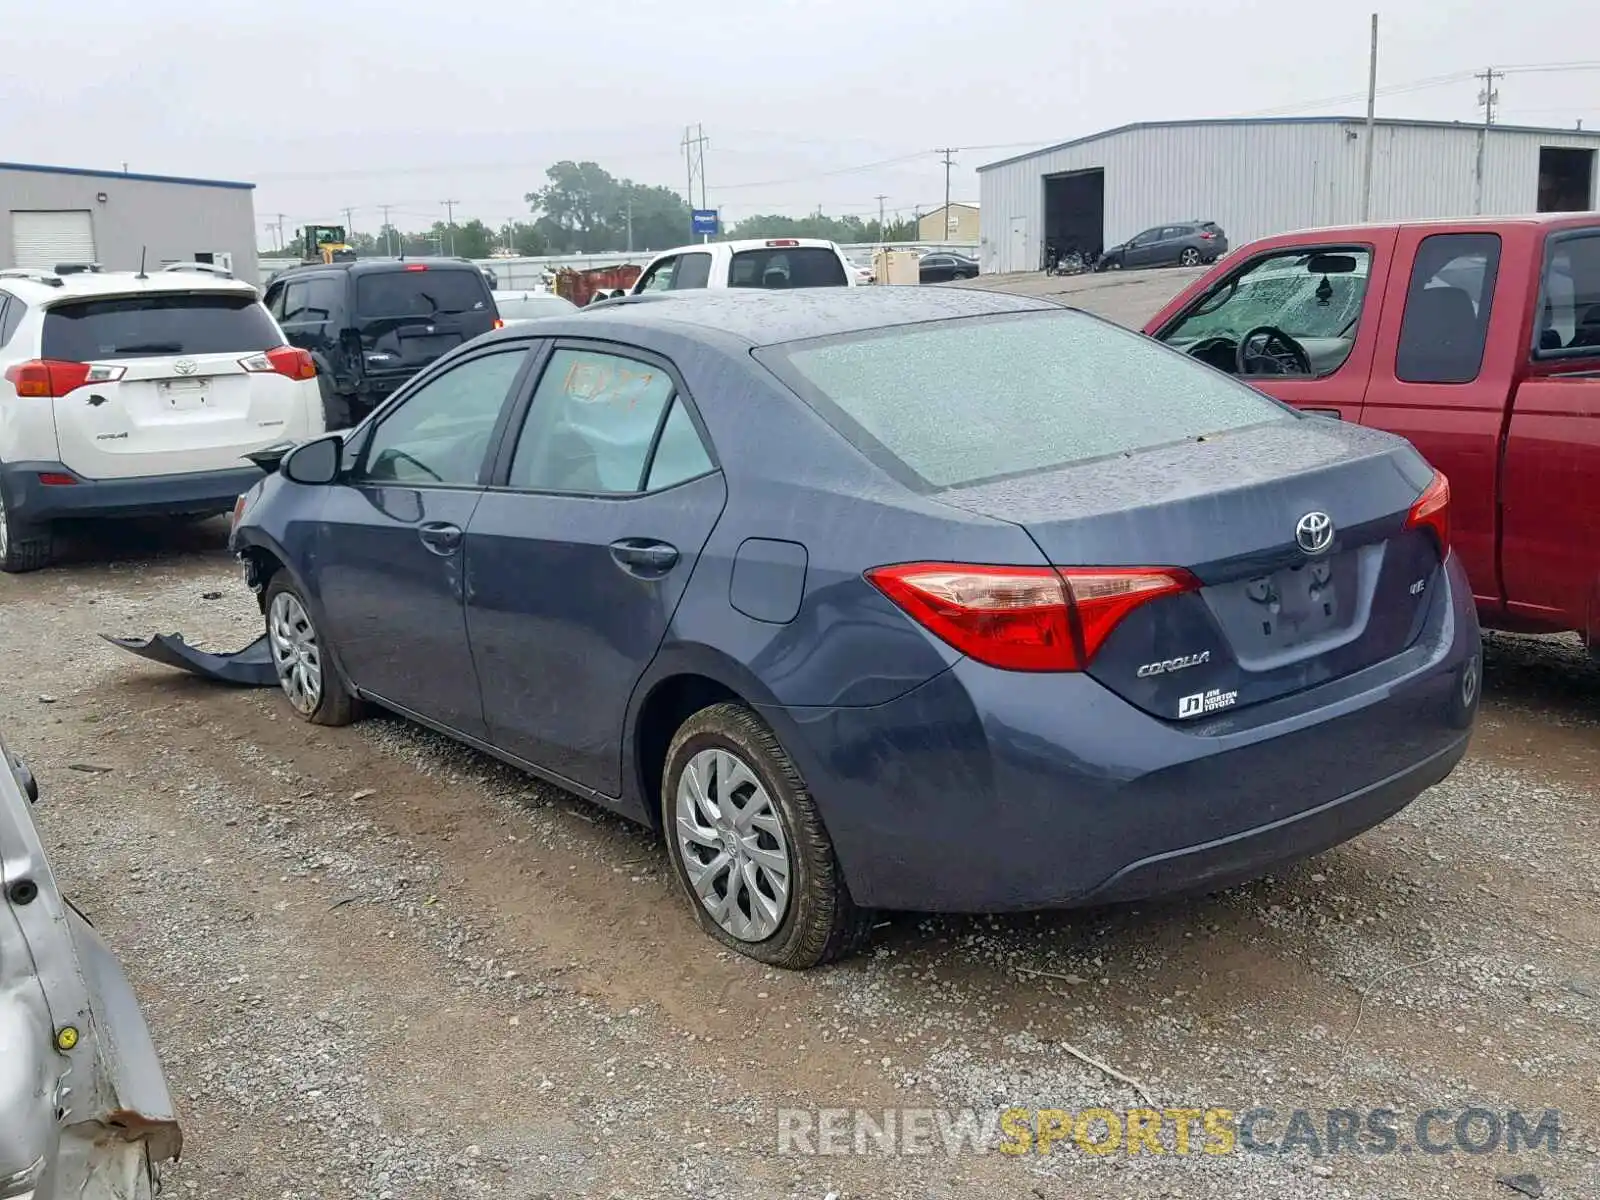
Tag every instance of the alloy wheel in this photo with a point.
(1190, 257)
(295, 652)
(735, 853)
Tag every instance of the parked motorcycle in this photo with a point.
(1074, 261)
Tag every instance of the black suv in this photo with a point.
(374, 323)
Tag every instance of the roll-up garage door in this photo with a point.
(40, 240)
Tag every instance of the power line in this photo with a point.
(859, 167)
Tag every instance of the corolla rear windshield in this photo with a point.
(955, 402)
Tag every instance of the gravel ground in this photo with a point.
(378, 965)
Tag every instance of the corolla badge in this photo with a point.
(186, 366)
(1313, 533)
(1168, 665)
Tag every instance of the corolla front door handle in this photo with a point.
(440, 537)
(644, 556)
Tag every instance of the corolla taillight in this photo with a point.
(1025, 618)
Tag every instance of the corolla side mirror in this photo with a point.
(315, 463)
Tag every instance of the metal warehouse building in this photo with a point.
(1264, 176)
(51, 215)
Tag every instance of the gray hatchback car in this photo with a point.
(1180, 244)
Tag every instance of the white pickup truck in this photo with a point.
(759, 263)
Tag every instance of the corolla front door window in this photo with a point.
(390, 575)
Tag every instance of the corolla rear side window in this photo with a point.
(421, 293)
(791, 267)
(143, 326)
(959, 401)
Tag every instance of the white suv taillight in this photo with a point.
(288, 361)
(47, 377)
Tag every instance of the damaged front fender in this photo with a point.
(250, 667)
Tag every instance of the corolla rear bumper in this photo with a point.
(986, 791)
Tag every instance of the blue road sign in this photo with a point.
(705, 221)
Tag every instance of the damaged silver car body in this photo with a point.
(84, 1108)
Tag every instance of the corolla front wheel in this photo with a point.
(749, 847)
(308, 678)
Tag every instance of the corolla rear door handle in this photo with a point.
(440, 537)
(644, 556)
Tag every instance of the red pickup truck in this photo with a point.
(1477, 339)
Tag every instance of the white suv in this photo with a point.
(759, 263)
(127, 394)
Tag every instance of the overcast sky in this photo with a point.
(348, 103)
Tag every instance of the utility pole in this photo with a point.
(349, 222)
(694, 157)
(281, 216)
(450, 222)
(881, 198)
(1372, 110)
(630, 224)
(1487, 99)
(388, 231)
(948, 163)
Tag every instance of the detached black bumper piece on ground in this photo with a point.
(250, 667)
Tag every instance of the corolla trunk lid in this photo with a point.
(1294, 543)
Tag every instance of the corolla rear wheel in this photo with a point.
(308, 678)
(749, 846)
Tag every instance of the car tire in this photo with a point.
(306, 672)
(23, 547)
(1114, 265)
(815, 921)
(1189, 258)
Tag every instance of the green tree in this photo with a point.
(575, 206)
(586, 209)
(471, 239)
(527, 239)
(658, 217)
(845, 230)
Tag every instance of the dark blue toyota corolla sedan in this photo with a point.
(884, 598)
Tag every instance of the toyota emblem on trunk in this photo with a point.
(1314, 532)
(186, 366)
